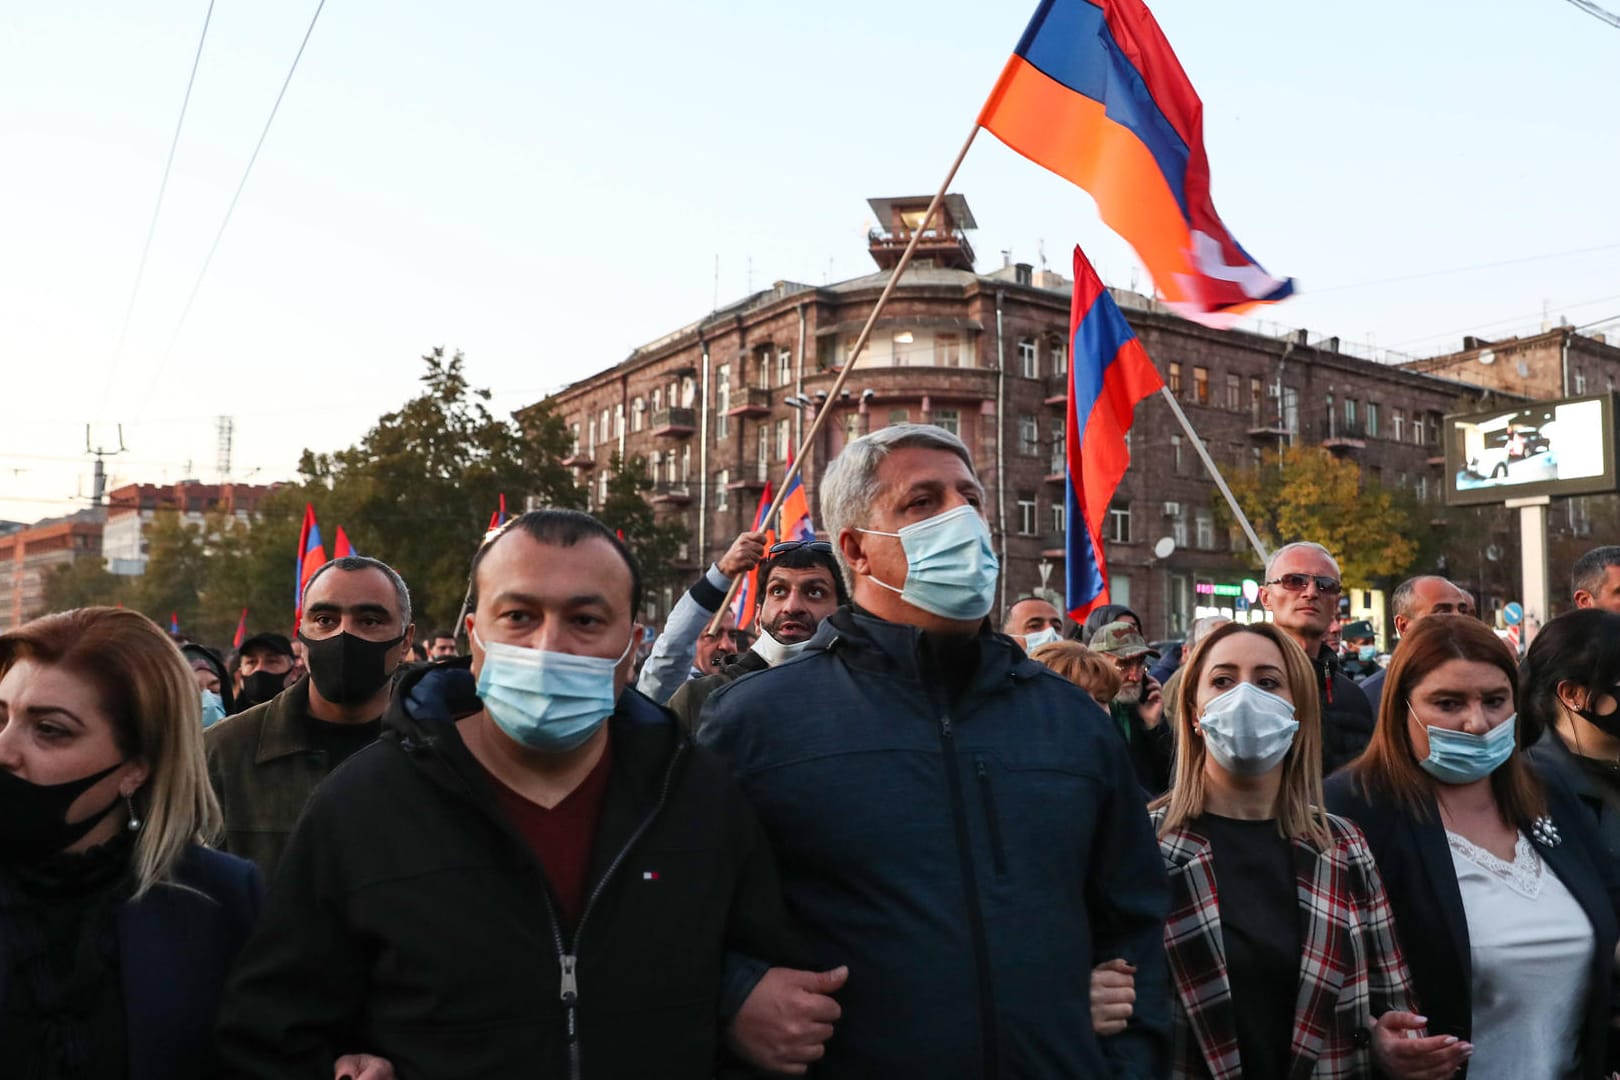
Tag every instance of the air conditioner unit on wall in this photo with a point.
(1171, 509)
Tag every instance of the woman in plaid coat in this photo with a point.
(1280, 940)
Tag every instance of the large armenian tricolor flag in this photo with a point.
(742, 609)
(311, 557)
(1094, 93)
(1110, 372)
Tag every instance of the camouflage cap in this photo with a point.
(1120, 640)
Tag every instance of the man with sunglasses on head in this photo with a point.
(1302, 590)
(799, 585)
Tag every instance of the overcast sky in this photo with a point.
(546, 186)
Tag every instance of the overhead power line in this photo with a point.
(1597, 12)
(157, 210)
(225, 222)
(1465, 269)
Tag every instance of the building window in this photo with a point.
(638, 412)
(602, 489)
(686, 463)
(1029, 361)
(1119, 589)
(1058, 447)
(764, 453)
(590, 437)
(851, 423)
(1060, 517)
(1175, 377)
(1257, 396)
(947, 350)
(1026, 513)
(1175, 454)
(1201, 385)
(950, 420)
(1029, 435)
(1234, 393)
(573, 435)
(1119, 523)
(784, 439)
(605, 427)
(722, 400)
(722, 493)
(1060, 358)
(1580, 382)
(784, 368)
(1204, 521)
(658, 399)
(1372, 419)
(899, 416)
(1417, 428)
(1178, 531)
(1397, 421)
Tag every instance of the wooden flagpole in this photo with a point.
(1220, 481)
(849, 364)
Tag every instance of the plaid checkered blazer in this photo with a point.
(1350, 969)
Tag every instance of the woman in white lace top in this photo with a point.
(1506, 904)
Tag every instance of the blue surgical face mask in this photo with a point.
(1456, 757)
(951, 568)
(1248, 730)
(1367, 653)
(548, 701)
(1044, 636)
(213, 708)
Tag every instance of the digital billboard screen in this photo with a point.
(1546, 448)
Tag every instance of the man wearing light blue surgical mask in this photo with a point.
(606, 877)
(915, 771)
(1034, 622)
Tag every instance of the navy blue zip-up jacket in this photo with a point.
(970, 861)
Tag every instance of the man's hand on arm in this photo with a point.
(784, 1024)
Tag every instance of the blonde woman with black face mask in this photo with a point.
(1280, 940)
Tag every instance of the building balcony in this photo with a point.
(1057, 469)
(1347, 437)
(1263, 425)
(669, 493)
(750, 401)
(579, 460)
(1057, 389)
(1055, 545)
(1438, 460)
(750, 479)
(674, 423)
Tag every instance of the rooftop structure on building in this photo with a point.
(132, 507)
(712, 410)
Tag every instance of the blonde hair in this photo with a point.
(151, 697)
(1299, 800)
(1092, 672)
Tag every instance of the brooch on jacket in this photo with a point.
(1545, 833)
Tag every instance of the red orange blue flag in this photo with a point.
(796, 523)
(496, 519)
(742, 609)
(1094, 93)
(241, 631)
(174, 623)
(311, 557)
(1108, 374)
(341, 548)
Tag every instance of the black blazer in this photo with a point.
(175, 945)
(1419, 877)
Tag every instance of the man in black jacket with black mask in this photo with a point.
(264, 762)
(533, 872)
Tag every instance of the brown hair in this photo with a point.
(1092, 672)
(151, 697)
(1299, 801)
(1389, 767)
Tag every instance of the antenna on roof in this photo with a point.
(1040, 251)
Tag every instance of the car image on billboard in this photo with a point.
(1537, 444)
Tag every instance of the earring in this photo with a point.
(134, 819)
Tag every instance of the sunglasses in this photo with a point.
(820, 547)
(1300, 582)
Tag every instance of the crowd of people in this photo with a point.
(870, 837)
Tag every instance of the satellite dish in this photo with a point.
(1493, 553)
(1487, 357)
(1164, 548)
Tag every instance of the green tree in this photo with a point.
(1306, 493)
(251, 565)
(84, 583)
(418, 489)
(176, 569)
(654, 543)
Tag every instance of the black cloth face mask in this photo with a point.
(348, 669)
(1608, 723)
(33, 817)
(260, 687)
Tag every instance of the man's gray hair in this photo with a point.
(351, 563)
(1271, 563)
(1201, 626)
(1587, 573)
(850, 485)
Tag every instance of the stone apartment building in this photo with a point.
(29, 554)
(714, 408)
(132, 507)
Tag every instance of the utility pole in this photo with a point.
(99, 489)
